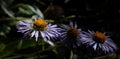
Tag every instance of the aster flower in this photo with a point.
(71, 35)
(100, 42)
(38, 28)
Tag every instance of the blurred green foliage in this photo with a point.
(12, 45)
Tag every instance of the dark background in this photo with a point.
(98, 15)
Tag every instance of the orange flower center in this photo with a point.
(39, 24)
(72, 33)
(99, 37)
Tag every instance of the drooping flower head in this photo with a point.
(38, 28)
(100, 42)
(71, 35)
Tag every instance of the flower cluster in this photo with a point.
(70, 35)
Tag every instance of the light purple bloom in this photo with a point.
(71, 35)
(102, 43)
(38, 28)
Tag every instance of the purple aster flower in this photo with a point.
(38, 28)
(71, 35)
(99, 42)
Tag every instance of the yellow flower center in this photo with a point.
(72, 33)
(99, 37)
(39, 24)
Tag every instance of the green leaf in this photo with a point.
(5, 29)
(6, 10)
(12, 57)
(2, 47)
(5, 53)
(28, 43)
(20, 44)
(41, 2)
(30, 10)
(39, 13)
(25, 11)
(2, 34)
(12, 46)
(9, 2)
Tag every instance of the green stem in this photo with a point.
(71, 54)
(37, 48)
(43, 43)
(20, 44)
